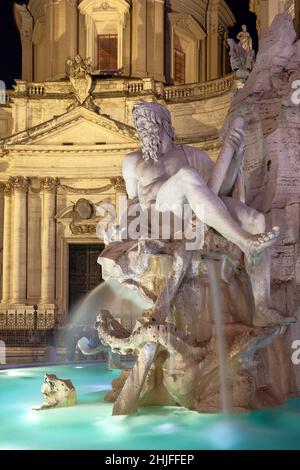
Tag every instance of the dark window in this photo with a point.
(179, 66)
(107, 52)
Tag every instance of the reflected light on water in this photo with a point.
(167, 427)
(32, 416)
(224, 435)
(15, 373)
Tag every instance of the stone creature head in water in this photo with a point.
(57, 393)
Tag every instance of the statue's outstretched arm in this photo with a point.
(226, 169)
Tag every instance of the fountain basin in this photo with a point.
(89, 425)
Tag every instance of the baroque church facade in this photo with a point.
(60, 157)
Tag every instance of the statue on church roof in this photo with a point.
(245, 39)
(242, 54)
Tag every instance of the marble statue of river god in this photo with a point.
(168, 176)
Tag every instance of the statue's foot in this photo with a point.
(257, 244)
(268, 316)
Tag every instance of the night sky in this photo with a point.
(10, 45)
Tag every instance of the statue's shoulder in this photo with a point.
(133, 156)
(131, 160)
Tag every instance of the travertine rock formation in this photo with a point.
(175, 341)
(271, 167)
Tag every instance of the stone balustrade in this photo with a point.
(37, 89)
(198, 90)
(8, 94)
(129, 87)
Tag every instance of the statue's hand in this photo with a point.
(236, 140)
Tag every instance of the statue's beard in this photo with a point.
(151, 144)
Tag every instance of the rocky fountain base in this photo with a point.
(175, 341)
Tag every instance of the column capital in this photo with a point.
(49, 184)
(7, 188)
(118, 184)
(18, 183)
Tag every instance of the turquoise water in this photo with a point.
(89, 425)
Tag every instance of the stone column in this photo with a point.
(19, 240)
(266, 10)
(6, 270)
(48, 241)
(155, 39)
(212, 41)
(139, 38)
(120, 190)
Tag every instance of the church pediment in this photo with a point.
(77, 127)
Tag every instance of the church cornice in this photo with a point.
(72, 150)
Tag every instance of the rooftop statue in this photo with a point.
(245, 39)
(242, 54)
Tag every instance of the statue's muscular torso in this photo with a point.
(145, 178)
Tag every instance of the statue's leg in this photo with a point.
(260, 275)
(188, 185)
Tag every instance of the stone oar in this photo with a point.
(226, 161)
(128, 399)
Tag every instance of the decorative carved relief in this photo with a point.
(80, 77)
(84, 209)
(118, 184)
(19, 183)
(81, 229)
(100, 190)
(81, 217)
(49, 184)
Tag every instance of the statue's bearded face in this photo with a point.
(150, 137)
